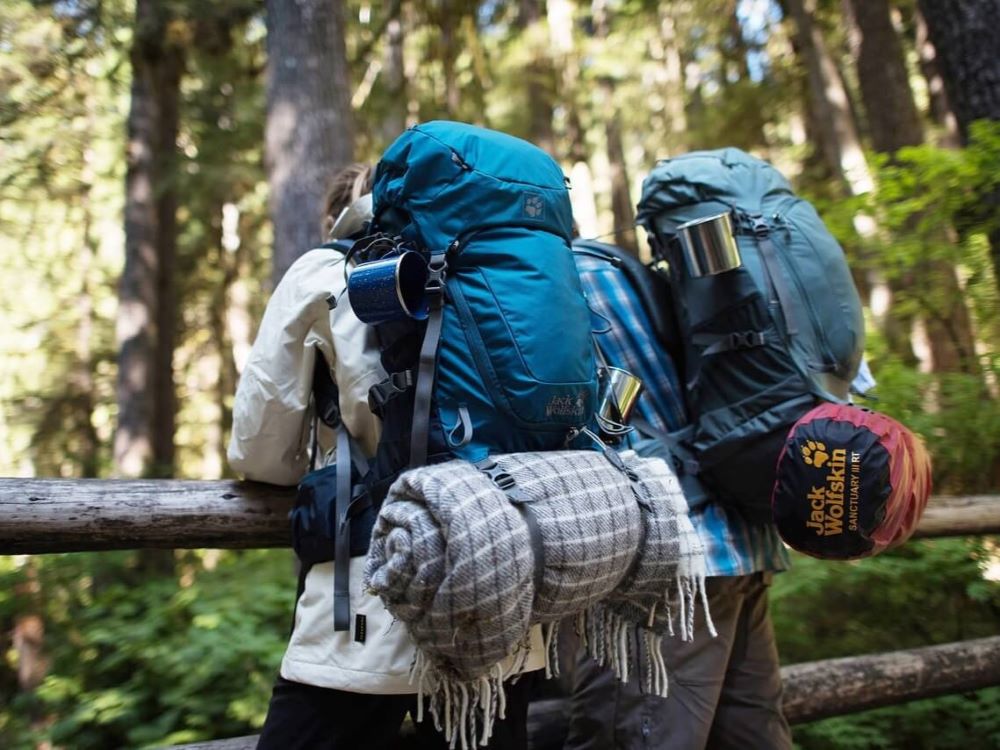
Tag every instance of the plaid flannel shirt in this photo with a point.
(733, 547)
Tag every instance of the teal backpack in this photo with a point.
(764, 342)
(503, 361)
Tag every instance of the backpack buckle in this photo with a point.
(436, 274)
(746, 339)
(382, 393)
(498, 476)
(760, 226)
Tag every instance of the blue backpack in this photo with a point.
(764, 342)
(504, 360)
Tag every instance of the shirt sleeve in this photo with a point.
(271, 411)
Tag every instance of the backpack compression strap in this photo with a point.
(772, 267)
(434, 289)
(342, 540)
(327, 398)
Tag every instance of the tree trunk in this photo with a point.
(394, 82)
(447, 23)
(82, 377)
(560, 17)
(540, 84)
(893, 119)
(733, 50)
(228, 306)
(310, 125)
(831, 109)
(832, 125)
(966, 35)
(665, 48)
(144, 439)
(621, 199)
(940, 108)
(894, 122)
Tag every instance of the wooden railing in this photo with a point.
(80, 515)
(73, 515)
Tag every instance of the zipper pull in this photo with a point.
(458, 160)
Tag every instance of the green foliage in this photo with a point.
(921, 594)
(952, 722)
(956, 416)
(144, 665)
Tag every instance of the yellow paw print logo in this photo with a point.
(814, 453)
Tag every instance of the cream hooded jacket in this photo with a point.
(271, 423)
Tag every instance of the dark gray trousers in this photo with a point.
(724, 692)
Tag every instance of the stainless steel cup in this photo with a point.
(617, 396)
(709, 245)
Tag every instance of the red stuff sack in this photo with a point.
(849, 483)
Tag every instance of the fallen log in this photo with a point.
(75, 515)
(814, 690)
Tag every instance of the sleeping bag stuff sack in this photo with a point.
(850, 483)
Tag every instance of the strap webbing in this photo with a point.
(716, 343)
(522, 501)
(342, 540)
(325, 392)
(684, 460)
(426, 369)
(773, 267)
(645, 428)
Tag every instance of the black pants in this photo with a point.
(305, 717)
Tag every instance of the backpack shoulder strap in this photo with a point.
(326, 393)
(343, 246)
(653, 291)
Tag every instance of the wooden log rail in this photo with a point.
(74, 515)
(815, 690)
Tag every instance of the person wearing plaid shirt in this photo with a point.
(724, 692)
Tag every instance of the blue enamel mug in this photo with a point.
(391, 288)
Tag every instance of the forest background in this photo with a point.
(158, 173)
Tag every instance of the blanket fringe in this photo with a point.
(464, 711)
(605, 634)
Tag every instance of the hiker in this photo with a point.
(336, 688)
(723, 692)
(734, 349)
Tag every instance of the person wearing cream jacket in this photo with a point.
(335, 689)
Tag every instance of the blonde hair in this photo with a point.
(346, 186)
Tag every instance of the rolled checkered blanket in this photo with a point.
(453, 558)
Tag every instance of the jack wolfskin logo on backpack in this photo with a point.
(533, 205)
(814, 454)
(826, 500)
(566, 406)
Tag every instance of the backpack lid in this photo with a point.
(850, 482)
(721, 178)
(441, 181)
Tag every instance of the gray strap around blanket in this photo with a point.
(522, 502)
